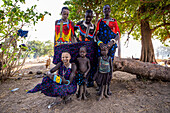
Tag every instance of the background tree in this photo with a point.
(142, 19)
(163, 51)
(41, 48)
(13, 18)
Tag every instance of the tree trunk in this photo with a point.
(147, 53)
(143, 69)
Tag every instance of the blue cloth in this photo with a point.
(22, 33)
(105, 35)
(53, 89)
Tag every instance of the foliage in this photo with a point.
(41, 48)
(13, 18)
(128, 14)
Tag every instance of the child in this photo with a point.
(104, 72)
(61, 85)
(83, 68)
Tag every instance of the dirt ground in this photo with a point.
(129, 96)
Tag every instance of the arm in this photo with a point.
(73, 71)
(75, 29)
(73, 38)
(99, 42)
(111, 66)
(88, 64)
(54, 69)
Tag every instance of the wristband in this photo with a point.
(99, 42)
(68, 82)
(114, 41)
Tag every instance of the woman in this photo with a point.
(60, 85)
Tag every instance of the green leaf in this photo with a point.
(5, 65)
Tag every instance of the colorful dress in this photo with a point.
(107, 30)
(63, 32)
(53, 89)
(86, 31)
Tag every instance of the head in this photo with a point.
(106, 10)
(82, 51)
(65, 13)
(104, 51)
(65, 57)
(89, 16)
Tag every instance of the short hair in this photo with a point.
(65, 51)
(89, 11)
(64, 8)
(106, 5)
(84, 48)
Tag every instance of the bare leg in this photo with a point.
(84, 91)
(105, 92)
(58, 101)
(99, 91)
(80, 96)
(102, 91)
(108, 89)
(67, 99)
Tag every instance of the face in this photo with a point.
(65, 14)
(65, 57)
(89, 17)
(104, 51)
(106, 10)
(82, 52)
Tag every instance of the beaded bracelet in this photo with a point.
(99, 42)
(114, 41)
(68, 82)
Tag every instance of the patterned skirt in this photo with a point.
(53, 89)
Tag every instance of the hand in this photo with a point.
(110, 44)
(102, 45)
(84, 75)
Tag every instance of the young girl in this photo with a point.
(104, 72)
(64, 29)
(61, 85)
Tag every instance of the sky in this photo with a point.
(45, 29)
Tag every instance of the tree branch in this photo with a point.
(127, 40)
(152, 1)
(163, 24)
(126, 22)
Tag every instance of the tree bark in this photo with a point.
(143, 69)
(147, 53)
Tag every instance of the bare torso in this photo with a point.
(83, 64)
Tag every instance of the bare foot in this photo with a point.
(80, 97)
(85, 98)
(109, 92)
(106, 95)
(100, 98)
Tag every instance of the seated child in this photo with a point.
(61, 85)
(104, 72)
(83, 68)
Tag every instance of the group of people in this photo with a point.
(81, 60)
